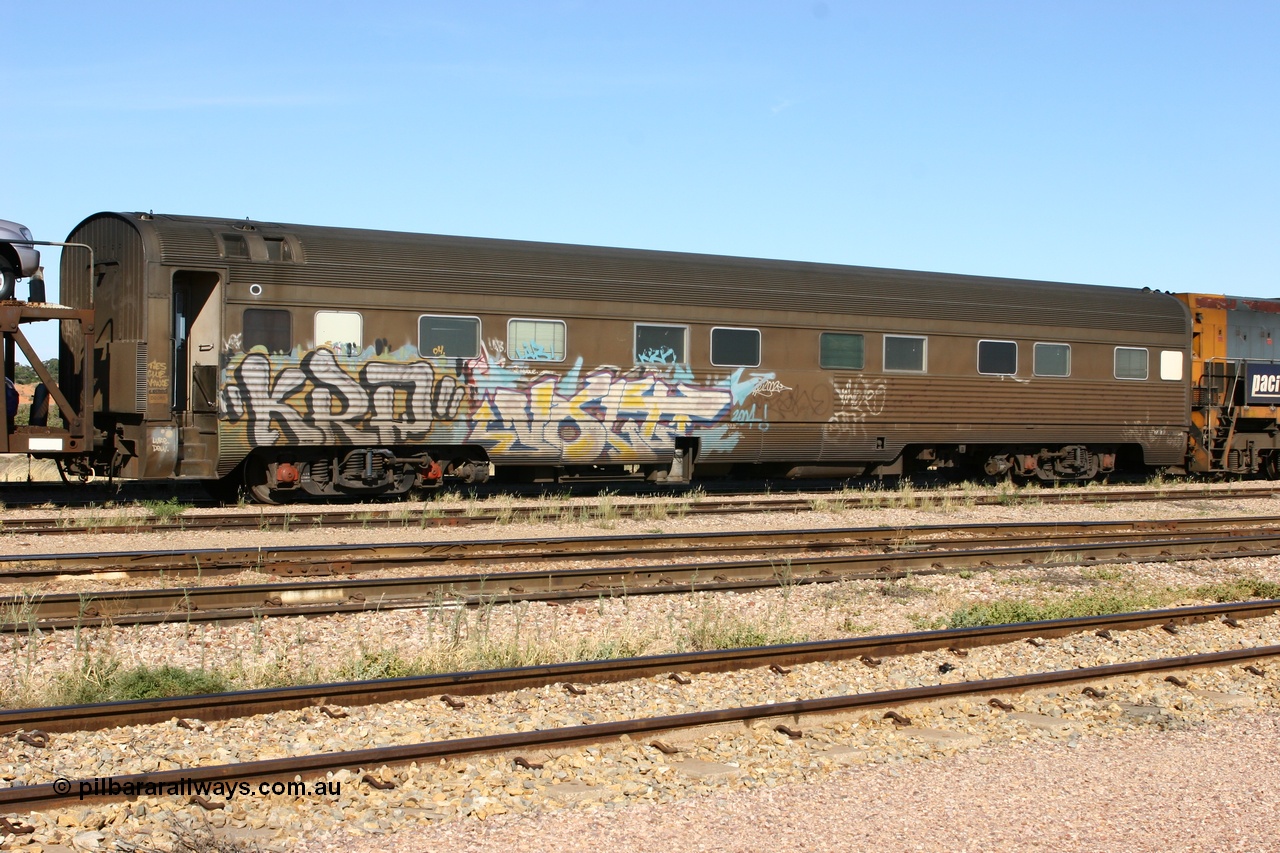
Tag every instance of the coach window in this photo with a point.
(278, 249)
(1171, 365)
(535, 340)
(660, 344)
(448, 337)
(340, 331)
(1052, 360)
(840, 351)
(735, 347)
(1131, 363)
(905, 352)
(998, 358)
(234, 246)
(270, 328)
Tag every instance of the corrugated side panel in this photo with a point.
(141, 386)
(233, 446)
(907, 410)
(573, 417)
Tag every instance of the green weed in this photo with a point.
(1095, 603)
(102, 678)
(165, 510)
(1238, 589)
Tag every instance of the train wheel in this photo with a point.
(1271, 466)
(263, 494)
(255, 481)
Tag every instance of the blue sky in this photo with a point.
(1122, 143)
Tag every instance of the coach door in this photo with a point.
(197, 333)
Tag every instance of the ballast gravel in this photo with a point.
(143, 749)
(1151, 767)
(274, 651)
(1211, 787)
(722, 761)
(849, 782)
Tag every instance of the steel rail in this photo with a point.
(292, 518)
(290, 560)
(312, 766)
(221, 706)
(312, 598)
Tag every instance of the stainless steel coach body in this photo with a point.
(332, 360)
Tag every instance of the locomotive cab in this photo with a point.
(1235, 384)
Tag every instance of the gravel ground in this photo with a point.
(269, 652)
(1014, 789)
(141, 749)
(984, 778)
(1210, 788)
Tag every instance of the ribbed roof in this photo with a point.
(479, 265)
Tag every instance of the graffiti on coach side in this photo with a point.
(657, 355)
(856, 400)
(320, 400)
(804, 403)
(605, 415)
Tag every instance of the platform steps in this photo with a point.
(198, 453)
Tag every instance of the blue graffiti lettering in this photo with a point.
(657, 355)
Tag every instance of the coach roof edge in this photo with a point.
(578, 272)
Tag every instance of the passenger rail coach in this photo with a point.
(304, 361)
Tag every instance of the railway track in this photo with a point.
(430, 515)
(787, 564)
(221, 706)
(327, 560)
(783, 716)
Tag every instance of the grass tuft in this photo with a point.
(165, 510)
(712, 626)
(1238, 589)
(385, 663)
(103, 679)
(1095, 603)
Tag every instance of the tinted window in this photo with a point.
(841, 351)
(535, 340)
(1131, 363)
(904, 353)
(1052, 360)
(735, 347)
(267, 327)
(998, 358)
(448, 337)
(660, 344)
